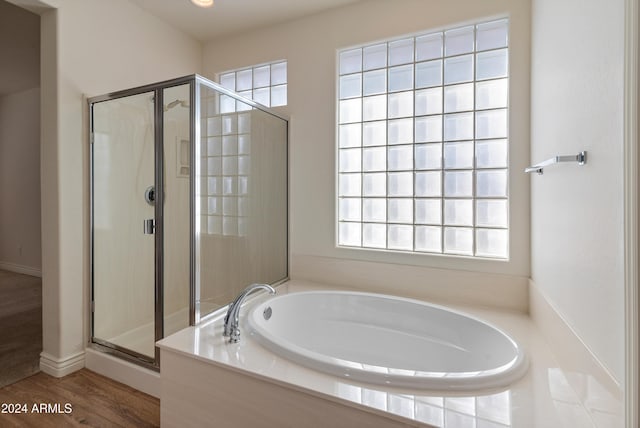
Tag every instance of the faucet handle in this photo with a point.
(234, 335)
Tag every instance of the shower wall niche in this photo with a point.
(188, 207)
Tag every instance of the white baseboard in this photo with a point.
(122, 371)
(60, 367)
(26, 270)
(593, 383)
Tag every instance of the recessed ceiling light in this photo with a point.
(203, 3)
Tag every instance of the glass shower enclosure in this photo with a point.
(188, 207)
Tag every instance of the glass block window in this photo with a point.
(423, 143)
(265, 83)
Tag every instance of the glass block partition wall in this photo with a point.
(241, 173)
(423, 143)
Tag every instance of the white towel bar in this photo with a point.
(581, 158)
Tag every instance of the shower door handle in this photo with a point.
(149, 226)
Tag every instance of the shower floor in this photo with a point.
(142, 339)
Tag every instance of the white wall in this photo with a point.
(577, 212)
(19, 49)
(20, 181)
(310, 45)
(20, 248)
(89, 47)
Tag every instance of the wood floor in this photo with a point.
(20, 326)
(83, 398)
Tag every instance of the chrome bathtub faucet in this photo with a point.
(231, 320)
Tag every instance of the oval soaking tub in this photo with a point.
(387, 340)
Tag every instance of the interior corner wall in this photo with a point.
(20, 247)
(89, 48)
(310, 46)
(577, 211)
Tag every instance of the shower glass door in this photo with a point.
(123, 216)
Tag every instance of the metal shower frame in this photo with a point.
(195, 81)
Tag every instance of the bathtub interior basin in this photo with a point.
(387, 340)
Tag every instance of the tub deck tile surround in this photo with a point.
(596, 388)
(204, 379)
(446, 286)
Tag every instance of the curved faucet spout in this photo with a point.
(231, 320)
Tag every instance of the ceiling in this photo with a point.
(227, 17)
(20, 29)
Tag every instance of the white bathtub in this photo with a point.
(387, 340)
